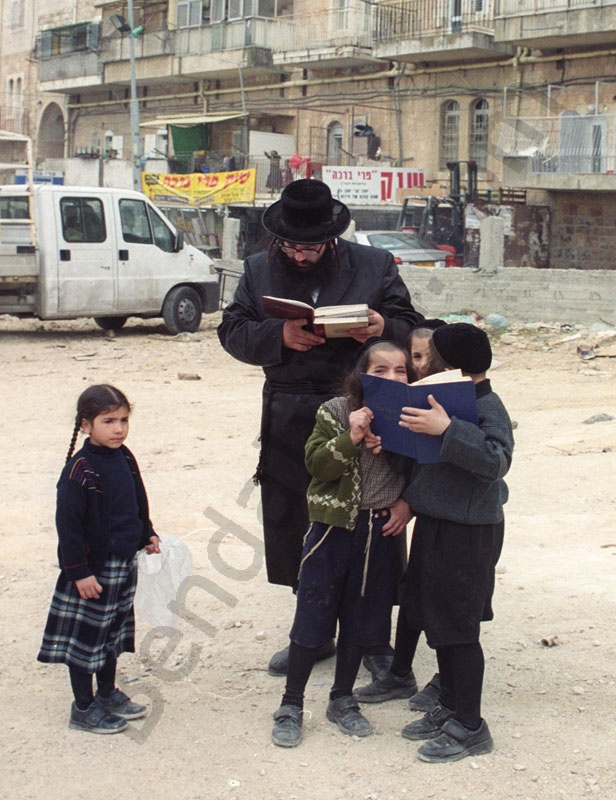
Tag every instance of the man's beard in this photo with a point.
(300, 283)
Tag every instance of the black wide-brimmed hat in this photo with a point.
(306, 214)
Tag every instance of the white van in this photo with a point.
(72, 251)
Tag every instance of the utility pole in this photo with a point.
(134, 103)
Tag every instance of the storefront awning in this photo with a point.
(187, 120)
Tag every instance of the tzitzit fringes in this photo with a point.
(313, 550)
(367, 554)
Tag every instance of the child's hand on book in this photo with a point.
(433, 421)
(295, 337)
(373, 442)
(376, 326)
(359, 423)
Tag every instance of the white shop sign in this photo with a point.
(370, 185)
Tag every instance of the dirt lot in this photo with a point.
(550, 708)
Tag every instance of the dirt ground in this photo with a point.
(550, 708)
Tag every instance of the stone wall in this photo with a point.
(583, 231)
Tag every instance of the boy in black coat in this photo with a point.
(457, 540)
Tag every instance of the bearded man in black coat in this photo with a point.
(306, 261)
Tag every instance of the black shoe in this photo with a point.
(96, 719)
(456, 742)
(428, 697)
(345, 712)
(377, 665)
(287, 730)
(120, 704)
(429, 726)
(387, 687)
(279, 662)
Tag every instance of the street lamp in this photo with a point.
(123, 26)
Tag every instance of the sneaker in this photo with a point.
(120, 704)
(429, 726)
(287, 730)
(428, 697)
(387, 687)
(456, 742)
(345, 712)
(96, 719)
(377, 664)
(279, 662)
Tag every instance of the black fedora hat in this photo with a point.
(306, 214)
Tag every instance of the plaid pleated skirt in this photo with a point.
(82, 633)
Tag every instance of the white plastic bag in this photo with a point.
(159, 578)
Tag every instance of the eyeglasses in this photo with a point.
(291, 249)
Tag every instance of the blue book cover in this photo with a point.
(386, 398)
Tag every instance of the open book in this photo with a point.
(386, 398)
(328, 321)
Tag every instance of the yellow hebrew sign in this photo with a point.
(200, 189)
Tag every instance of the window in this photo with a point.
(450, 128)
(478, 149)
(189, 14)
(138, 222)
(14, 208)
(134, 220)
(246, 9)
(83, 219)
(334, 144)
(456, 16)
(71, 39)
(17, 18)
(163, 237)
(217, 11)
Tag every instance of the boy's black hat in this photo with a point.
(463, 346)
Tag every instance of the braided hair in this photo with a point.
(93, 401)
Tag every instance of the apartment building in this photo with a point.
(524, 88)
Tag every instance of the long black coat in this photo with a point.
(298, 382)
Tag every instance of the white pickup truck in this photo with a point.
(72, 251)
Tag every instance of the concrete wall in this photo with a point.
(521, 295)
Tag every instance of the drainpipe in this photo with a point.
(515, 60)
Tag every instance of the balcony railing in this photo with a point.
(568, 144)
(235, 35)
(350, 26)
(418, 18)
(152, 43)
(509, 8)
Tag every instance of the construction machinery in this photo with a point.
(439, 221)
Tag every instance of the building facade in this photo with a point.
(524, 88)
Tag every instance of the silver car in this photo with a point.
(405, 248)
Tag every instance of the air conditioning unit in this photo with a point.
(259, 57)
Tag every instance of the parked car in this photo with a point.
(406, 248)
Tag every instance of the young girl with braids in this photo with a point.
(102, 520)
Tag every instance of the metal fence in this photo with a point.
(509, 8)
(418, 18)
(571, 143)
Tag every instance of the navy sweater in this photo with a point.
(85, 515)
